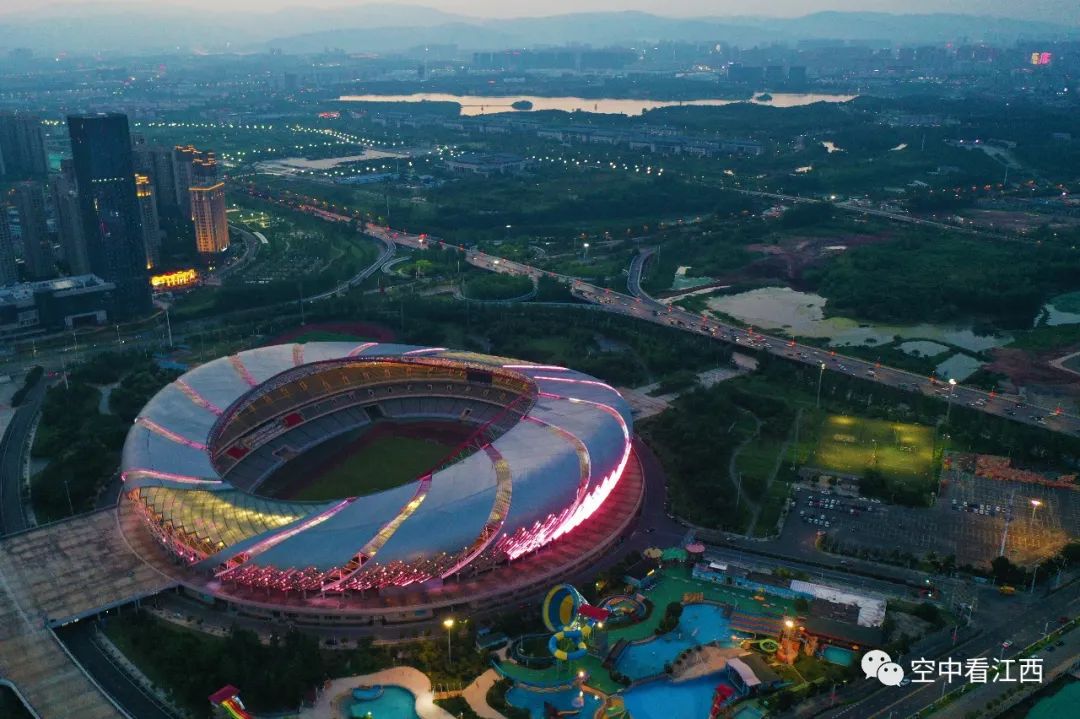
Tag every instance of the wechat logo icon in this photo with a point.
(878, 664)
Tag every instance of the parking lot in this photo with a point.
(967, 521)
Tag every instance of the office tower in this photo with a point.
(156, 161)
(22, 147)
(208, 206)
(37, 248)
(69, 225)
(183, 157)
(112, 225)
(8, 274)
(144, 191)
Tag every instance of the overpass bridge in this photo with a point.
(54, 575)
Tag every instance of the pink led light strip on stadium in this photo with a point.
(135, 474)
(500, 508)
(556, 526)
(244, 372)
(169, 434)
(355, 351)
(540, 534)
(570, 380)
(423, 350)
(278, 537)
(368, 551)
(194, 396)
(541, 367)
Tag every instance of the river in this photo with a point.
(472, 105)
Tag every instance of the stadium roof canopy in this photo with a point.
(545, 472)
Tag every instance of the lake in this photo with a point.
(472, 105)
(1063, 310)
(802, 314)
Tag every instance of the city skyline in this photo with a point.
(1063, 11)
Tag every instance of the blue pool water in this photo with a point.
(395, 703)
(561, 700)
(665, 700)
(699, 624)
(838, 655)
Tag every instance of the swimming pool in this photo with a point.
(838, 655)
(563, 700)
(666, 700)
(699, 624)
(395, 703)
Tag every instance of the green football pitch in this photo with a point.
(851, 445)
(384, 463)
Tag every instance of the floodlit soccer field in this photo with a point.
(384, 463)
(851, 445)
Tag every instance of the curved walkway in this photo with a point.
(476, 695)
(327, 706)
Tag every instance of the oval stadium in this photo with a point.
(333, 482)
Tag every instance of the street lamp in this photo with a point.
(1035, 504)
(586, 254)
(449, 624)
(952, 389)
(820, 376)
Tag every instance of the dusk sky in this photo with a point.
(1065, 11)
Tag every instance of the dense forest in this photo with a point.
(921, 278)
(81, 442)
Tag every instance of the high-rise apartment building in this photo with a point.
(144, 191)
(183, 157)
(22, 147)
(37, 248)
(8, 273)
(112, 223)
(158, 163)
(208, 206)
(69, 224)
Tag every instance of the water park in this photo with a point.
(673, 640)
(666, 635)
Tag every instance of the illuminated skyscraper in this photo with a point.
(68, 219)
(112, 224)
(144, 191)
(208, 206)
(37, 249)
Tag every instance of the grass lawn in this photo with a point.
(756, 461)
(385, 463)
(771, 508)
(851, 445)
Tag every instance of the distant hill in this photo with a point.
(385, 28)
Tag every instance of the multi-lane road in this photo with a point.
(13, 449)
(640, 306)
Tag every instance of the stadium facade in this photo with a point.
(547, 447)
